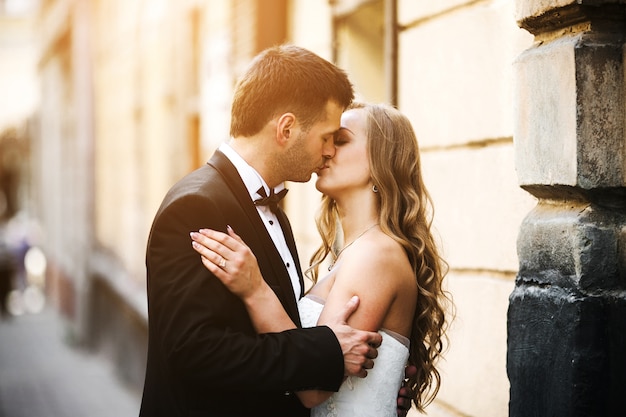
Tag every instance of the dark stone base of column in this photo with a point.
(566, 353)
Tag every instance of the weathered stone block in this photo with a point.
(540, 16)
(570, 126)
(601, 124)
(573, 245)
(545, 102)
(616, 334)
(531, 8)
(567, 314)
(557, 361)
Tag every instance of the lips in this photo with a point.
(319, 170)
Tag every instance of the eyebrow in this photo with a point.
(344, 128)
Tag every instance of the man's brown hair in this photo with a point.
(287, 78)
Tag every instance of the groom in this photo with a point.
(204, 356)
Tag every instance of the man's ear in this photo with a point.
(284, 127)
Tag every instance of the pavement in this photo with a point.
(41, 375)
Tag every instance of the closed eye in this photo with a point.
(343, 136)
(340, 139)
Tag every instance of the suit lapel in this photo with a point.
(276, 276)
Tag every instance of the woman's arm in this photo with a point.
(373, 269)
(240, 274)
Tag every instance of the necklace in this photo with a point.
(348, 245)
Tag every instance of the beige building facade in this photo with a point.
(135, 94)
(19, 97)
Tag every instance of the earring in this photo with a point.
(374, 188)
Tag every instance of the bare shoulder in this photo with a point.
(376, 255)
(376, 269)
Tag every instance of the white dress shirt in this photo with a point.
(253, 181)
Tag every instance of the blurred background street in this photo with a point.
(41, 375)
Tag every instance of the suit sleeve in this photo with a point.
(203, 332)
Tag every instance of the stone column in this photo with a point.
(567, 314)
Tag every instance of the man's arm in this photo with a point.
(203, 331)
(357, 352)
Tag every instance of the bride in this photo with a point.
(373, 188)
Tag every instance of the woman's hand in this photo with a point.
(230, 260)
(233, 263)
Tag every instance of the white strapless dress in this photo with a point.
(373, 396)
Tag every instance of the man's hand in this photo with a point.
(359, 347)
(405, 394)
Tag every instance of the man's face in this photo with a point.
(349, 170)
(309, 150)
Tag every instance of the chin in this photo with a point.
(304, 178)
(318, 186)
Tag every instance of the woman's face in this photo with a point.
(348, 170)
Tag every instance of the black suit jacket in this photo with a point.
(204, 356)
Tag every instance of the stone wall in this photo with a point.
(566, 322)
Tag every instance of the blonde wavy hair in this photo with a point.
(405, 214)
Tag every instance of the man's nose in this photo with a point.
(329, 149)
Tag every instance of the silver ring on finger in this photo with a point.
(222, 263)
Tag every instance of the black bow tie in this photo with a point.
(272, 200)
